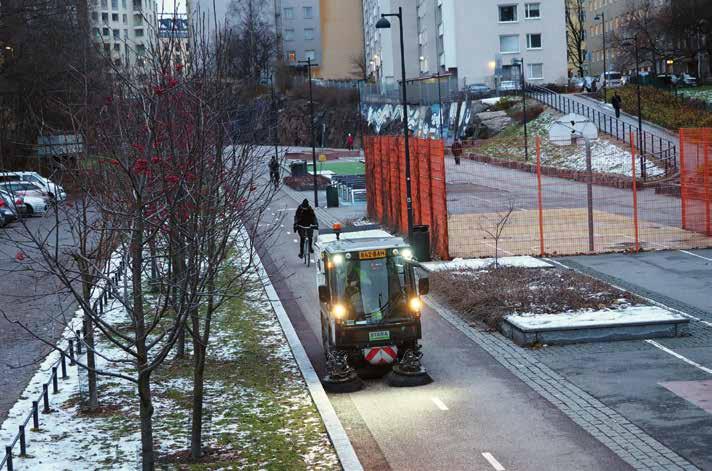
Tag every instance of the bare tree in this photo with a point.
(493, 225)
(252, 43)
(575, 34)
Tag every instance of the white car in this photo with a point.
(611, 80)
(509, 85)
(53, 190)
(35, 199)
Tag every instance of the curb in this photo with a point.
(344, 449)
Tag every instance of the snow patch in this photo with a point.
(480, 263)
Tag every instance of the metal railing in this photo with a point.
(658, 149)
(420, 92)
(73, 351)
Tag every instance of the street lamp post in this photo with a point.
(602, 17)
(641, 141)
(383, 23)
(309, 65)
(524, 105)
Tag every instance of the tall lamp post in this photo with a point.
(641, 141)
(383, 23)
(309, 64)
(602, 18)
(520, 62)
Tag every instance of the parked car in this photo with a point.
(15, 206)
(53, 190)
(509, 85)
(687, 80)
(479, 89)
(611, 80)
(35, 198)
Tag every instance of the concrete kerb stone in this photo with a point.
(614, 431)
(344, 449)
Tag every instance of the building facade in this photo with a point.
(341, 39)
(124, 29)
(480, 42)
(298, 26)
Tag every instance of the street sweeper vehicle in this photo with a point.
(369, 296)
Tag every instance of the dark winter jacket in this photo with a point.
(305, 216)
(616, 101)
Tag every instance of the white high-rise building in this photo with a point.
(481, 41)
(124, 29)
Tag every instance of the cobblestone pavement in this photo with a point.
(612, 429)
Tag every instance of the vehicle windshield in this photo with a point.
(371, 289)
(21, 187)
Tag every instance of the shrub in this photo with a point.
(533, 113)
(505, 103)
(662, 108)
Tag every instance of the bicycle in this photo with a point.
(307, 242)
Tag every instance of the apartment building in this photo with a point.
(480, 42)
(299, 27)
(124, 29)
(382, 46)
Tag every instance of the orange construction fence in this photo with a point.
(696, 179)
(386, 186)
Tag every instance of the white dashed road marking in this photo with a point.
(493, 461)
(440, 404)
(679, 357)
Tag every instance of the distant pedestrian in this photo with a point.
(616, 101)
(274, 171)
(594, 85)
(350, 142)
(457, 151)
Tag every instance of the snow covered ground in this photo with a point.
(259, 414)
(593, 318)
(480, 263)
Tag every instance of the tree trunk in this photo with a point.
(196, 433)
(93, 403)
(146, 414)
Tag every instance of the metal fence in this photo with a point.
(72, 352)
(696, 179)
(660, 150)
(420, 92)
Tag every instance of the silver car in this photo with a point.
(35, 199)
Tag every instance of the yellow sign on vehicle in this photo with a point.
(371, 254)
(322, 157)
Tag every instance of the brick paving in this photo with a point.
(613, 430)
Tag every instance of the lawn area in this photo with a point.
(340, 168)
(703, 93)
(608, 156)
(258, 411)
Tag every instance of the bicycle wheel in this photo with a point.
(305, 250)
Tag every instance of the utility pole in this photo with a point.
(589, 193)
(309, 65)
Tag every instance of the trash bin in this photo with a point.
(298, 168)
(421, 243)
(332, 197)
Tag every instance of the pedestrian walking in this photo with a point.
(350, 142)
(457, 151)
(274, 171)
(616, 101)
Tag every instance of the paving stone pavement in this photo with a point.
(621, 436)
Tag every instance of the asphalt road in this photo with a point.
(663, 386)
(474, 407)
(30, 296)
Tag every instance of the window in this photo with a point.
(292, 56)
(138, 20)
(309, 34)
(105, 31)
(96, 32)
(310, 54)
(534, 41)
(139, 32)
(509, 44)
(536, 71)
(308, 12)
(104, 4)
(114, 4)
(289, 35)
(104, 17)
(115, 17)
(137, 4)
(125, 19)
(117, 34)
(507, 13)
(94, 16)
(289, 12)
(531, 11)
(117, 47)
(140, 50)
(123, 4)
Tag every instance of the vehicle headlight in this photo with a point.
(338, 259)
(339, 311)
(415, 304)
(407, 254)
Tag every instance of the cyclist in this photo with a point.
(274, 171)
(304, 224)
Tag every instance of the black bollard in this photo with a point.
(45, 399)
(71, 353)
(35, 415)
(63, 364)
(23, 444)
